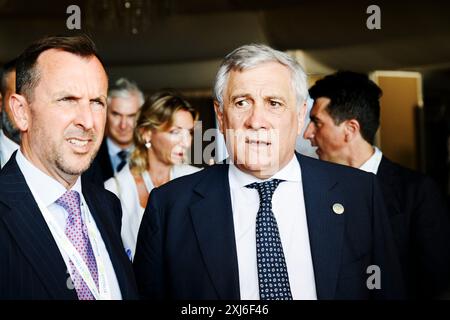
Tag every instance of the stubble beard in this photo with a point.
(63, 165)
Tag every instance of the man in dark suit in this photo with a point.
(124, 101)
(60, 237)
(344, 120)
(272, 224)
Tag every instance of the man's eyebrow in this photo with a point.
(99, 99)
(61, 94)
(275, 97)
(239, 95)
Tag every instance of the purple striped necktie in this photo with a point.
(76, 232)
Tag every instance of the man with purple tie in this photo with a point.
(59, 236)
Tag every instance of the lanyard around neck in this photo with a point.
(103, 293)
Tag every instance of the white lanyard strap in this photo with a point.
(105, 292)
(73, 254)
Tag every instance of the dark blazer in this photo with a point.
(31, 266)
(186, 245)
(100, 167)
(93, 175)
(421, 228)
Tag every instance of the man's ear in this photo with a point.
(352, 129)
(301, 118)
(219, 115)
(20, 110)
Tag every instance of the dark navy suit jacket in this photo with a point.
(186, 245)
(101, 168)
(31, 266)
(421, 228)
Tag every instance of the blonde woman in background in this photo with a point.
(162, 137)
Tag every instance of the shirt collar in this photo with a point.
(7, 148)
(46, 188)
(290, 172)
(372, 164)
(6, 142)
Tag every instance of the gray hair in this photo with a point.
(252, 55)
(124, 88)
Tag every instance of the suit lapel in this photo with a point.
(213, 223)
(212, 218)
(31, 233)
(105, 160)
(325, 228)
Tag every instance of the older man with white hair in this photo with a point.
(124, 101)
(271, 224)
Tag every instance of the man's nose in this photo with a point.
(309, 132)
(123, 122)
(257, 117)
(85, 116)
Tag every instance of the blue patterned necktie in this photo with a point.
(77, 233)
(272, 271)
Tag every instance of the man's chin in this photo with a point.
(76, 165)
(260, 170)
(73, 170)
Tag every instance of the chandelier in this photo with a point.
(129, 16)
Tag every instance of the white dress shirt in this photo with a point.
(124, 187)
(113, 150)
(49, 190)
(288, 206)
(372, 164)
(7, 148)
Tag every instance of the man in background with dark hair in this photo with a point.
(344, 119)
(59, 236)
(9, 134)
